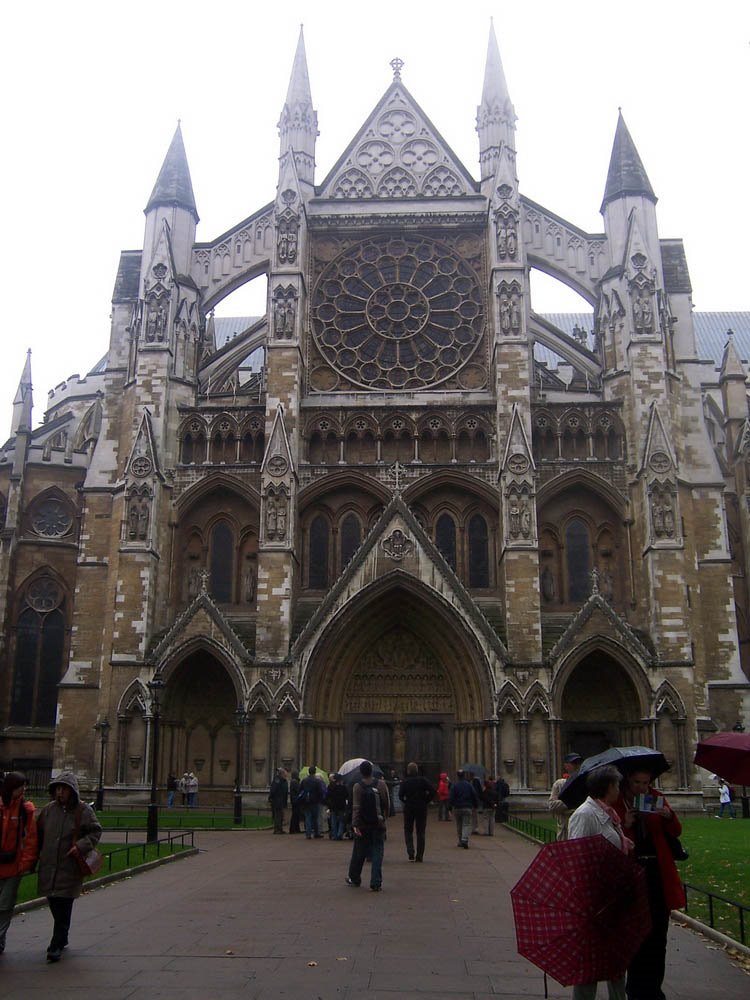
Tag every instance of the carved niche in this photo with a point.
(509, 308)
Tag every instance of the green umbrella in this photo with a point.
(319, 773)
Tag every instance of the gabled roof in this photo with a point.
(202, 607)
(597, 608)
(397, 153)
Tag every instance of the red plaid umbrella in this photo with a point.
(581, 911)
(726, 754)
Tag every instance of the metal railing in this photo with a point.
(180, 817)
(719, 912)
(531, 829)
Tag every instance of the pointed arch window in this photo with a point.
(319, 543)
(445, 539)
(222, 562)
(578, 555)
(351, 537)
(479, 560)
(39, 655)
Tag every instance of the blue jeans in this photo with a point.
(338, 825)
(370, 844)
(312, 828)
(463, 824)
(170, 799)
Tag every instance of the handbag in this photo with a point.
(679, 853)
(91, 862)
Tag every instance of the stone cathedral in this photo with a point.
(431, 523)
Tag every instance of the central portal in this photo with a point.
(399, 706)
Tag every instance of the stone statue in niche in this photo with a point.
(271, 517)
(662, 515)
(668, 518)
(643, 313)
(138, 518)
(548, 585)
(249, 583)
(397, 545)
(507, 241)
(194, 583)
(510, 313)
(284, 314)
(156, 322)
(133, 520)
(505, 313)
(143, 518)
(515, 316)
(525, 520)
(657, 515)
(288, 235)
(514, 517)
(607, 583)
(281, 518)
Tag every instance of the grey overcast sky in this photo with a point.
(93, 90)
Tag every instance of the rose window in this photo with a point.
(404, 313)
(51, 518)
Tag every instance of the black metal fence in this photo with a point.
(531, 828)
(719, 912)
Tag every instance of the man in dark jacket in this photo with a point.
(463, 799)
(312, 791)
(416, 793)
(277, 796)
(337, 800)
(294, 786)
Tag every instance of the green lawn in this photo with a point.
(135, 819)
(116, 859)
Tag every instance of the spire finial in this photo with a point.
(397, 65)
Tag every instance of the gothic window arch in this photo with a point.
(221, 562)
(351, 537)
(319, 552)
(445, 539)
(479, 558)
(578, 560)
(39, 653)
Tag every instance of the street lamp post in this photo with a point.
(102, 728)
(739, 728)
(240, 716)
(155, 686)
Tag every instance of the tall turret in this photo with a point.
(298, 124)
(172, 201)
(496, 117)
(23, 402)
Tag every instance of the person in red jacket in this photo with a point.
(443, 791)
(649, 827)
(18, 845)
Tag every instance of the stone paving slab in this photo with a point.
(247, 916)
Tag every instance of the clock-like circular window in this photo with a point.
(51, 517)
(398, 313)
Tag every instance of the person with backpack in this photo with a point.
(68, 830)
(18, 844)
(370, 806)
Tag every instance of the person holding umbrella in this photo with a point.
(649, 819)
(597, 816)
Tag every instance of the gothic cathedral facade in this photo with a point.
(405, 536)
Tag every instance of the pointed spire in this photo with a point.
(496, 116)
(627, 175)
(23, 402)
(298, 124)
(731, 365)
(173, 185)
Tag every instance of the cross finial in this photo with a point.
(396, 473)
(397, 65)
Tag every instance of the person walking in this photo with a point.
(443, 792)
(338, 801)
(294, 784)
(597, 816)
(370, 807)
(68, 830)
(416, 793)
(476, 784)
(312, 793)
(463, 800)
(278, 796)
(725, 800)
(503, 794)
(555, 804)
(650, 828)
(489, 805)
(172, 784)
(18, 844)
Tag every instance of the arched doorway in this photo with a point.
(396, 679)
(599, 706)
(198, 724)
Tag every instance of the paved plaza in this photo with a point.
(249, 915)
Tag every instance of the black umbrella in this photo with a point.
(476, 769)
(625, 759)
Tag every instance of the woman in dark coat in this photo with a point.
(68, 829)
(650, 831)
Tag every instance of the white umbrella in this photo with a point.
(350, 765)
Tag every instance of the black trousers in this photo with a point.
(646, 971)
(415, 817)
(61, 910)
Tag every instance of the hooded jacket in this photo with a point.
(59, 874)
(19, 838)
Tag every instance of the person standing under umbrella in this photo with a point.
(650, 830)
(556, 805)
(597, 816)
